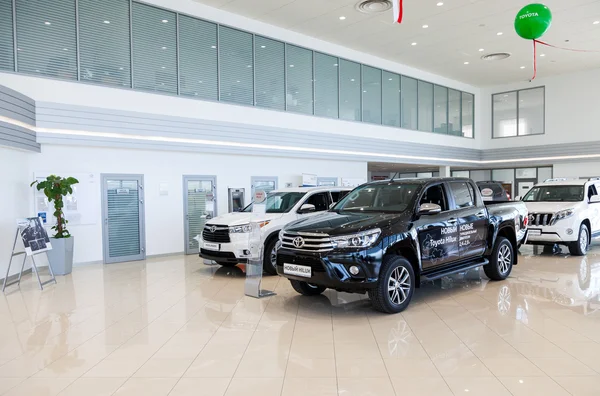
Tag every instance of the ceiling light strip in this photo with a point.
(112, 135)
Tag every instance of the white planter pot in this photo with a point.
(61, 255)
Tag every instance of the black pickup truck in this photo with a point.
(385, 238)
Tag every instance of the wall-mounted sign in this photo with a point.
(309, 180)
(122, 191)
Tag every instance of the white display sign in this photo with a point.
(309, 180)
(259, 196)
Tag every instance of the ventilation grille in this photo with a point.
(496, 56)
(373, 6)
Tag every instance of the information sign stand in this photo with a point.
(34, 238)
(254, 267)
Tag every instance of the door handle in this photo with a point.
(481, 214)
(452, 221)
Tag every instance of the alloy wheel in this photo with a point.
(399, 285)
(504, 259)
(583, 240)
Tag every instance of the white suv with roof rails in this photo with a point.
(225, 239)
(563, 211)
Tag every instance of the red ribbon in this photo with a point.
(401, 12)
(535, 42)
(398, 11)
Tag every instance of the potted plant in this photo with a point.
(61, 256)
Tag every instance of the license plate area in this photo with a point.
(297, 270)
(534, 232)
(212, 246)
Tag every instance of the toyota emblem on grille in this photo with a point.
(298, 242)
(531, 218)
(213, 228)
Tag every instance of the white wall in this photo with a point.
(579, 169)
(164, 214)
(14, 202)
(572, 104)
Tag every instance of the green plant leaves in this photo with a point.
(55, 189)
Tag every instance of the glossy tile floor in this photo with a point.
(174, 326)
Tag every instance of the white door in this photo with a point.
(199, 205)
(524, 187)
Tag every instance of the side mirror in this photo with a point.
(595, 199)
(429, 209)
(307, 208)
(518, 198)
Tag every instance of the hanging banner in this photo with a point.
(398, 11)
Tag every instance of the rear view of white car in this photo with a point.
(225, 239)
(564, 212)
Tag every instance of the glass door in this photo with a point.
(123, 214)
(200, 205)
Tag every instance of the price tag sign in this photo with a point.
(259, 196)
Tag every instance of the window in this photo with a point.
(154, 68)
(198, 58)
(299, 84)
(440, 109)
(320, 200)
(463, 193)
(270, 73)
(409, 103)
(7, 52)
(350, 90)
(326, 85)
(104, 42)
(526, 106)
(337, 195)
(466, 174)
(371, 95)
(46, 38)
(282, 202)
(468, 111)
(391, 99)
(592, 191)
(454, 112)
(236, 63)
(379, 198)
(425, 106)
(555, 194)
(435, 195)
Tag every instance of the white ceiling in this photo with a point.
(456, 32)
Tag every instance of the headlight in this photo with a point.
(563, 214)
(244, 228)
(361, 240)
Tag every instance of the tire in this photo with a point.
(226, 264)
(397, 274)
(501, 260)
(580, 247)
(270, 256)
(307, 289)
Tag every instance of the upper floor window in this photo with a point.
(518, 113)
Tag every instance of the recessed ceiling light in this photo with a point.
(481, 50)
(335, 64)
(425, 26)
(120, 68)
(164, 47)
(47, 23)
(342, 18)
(440, 4)
(390, 79)
(238, 81)
(364, 91)
(542, 54)
(466, 63)
(499, 34)
(213, 46)
(263, 46)
(249, 66)
(596, 22)
(522, 67)
(351, 79)
(165, 21)
(65, 49)
(163, 67)
(106, 22)
(414, 44)
(291, 65)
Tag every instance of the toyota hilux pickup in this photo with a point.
(385, 238)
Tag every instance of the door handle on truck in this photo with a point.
(481, 215)
(452, 221)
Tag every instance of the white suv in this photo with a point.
(565, 212)
(225, 239)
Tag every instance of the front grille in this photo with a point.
(541, 219)
(312, 262)
(214, 253)
(307, 241)
(216, 233)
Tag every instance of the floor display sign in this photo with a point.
(35, 241)
(254, 267)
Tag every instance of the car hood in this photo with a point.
(549, 207)
(238, 218)
(339, 223)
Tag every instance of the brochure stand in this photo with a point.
(34, 233)
(254, 267)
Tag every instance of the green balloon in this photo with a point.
(532, 21)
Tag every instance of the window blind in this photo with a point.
(236, 66)
(198, 75)
(326, 85)
(454, 113)
(391, 99)
(46, 38)
(425, 90)
(350, 90)
(299, 79)
(440, 109)
(104, 42)
(270, 73)
(7, 51)
(371, 95)
(409, 103)
(154, 49)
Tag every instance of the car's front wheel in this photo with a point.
(270, 256)
(395, 287)
(580, 247)
(307, 289)
(501, 260)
